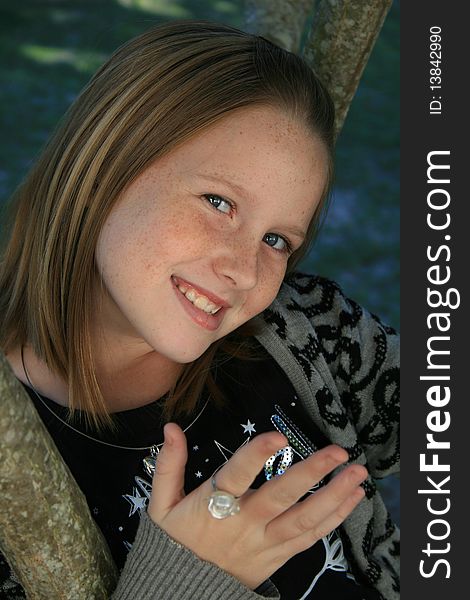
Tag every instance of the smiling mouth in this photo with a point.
(199, 300)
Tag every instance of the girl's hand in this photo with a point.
(272, 526)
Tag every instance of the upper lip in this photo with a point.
(202, 291)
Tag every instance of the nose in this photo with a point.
(237, 262)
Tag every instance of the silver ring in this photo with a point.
(222, 504)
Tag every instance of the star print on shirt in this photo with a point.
(137, 502)
(249, 427)
(195, 448)
(198, 474)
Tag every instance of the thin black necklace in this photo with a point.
(149, 461)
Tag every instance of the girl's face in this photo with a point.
(198, 244)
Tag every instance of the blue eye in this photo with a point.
(278, 242)
(219, 203)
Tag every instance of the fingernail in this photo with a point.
(336, 459)
(339, 456)
(167, 439)
(358, 477)
(359, 493)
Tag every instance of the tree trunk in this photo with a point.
(46, 530)
(340, 43)
(334, 36)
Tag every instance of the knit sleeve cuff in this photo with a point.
(159, 567)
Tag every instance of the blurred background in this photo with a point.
(50, 48)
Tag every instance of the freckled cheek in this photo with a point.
(168, 233)
(173, 239)
(269, 281)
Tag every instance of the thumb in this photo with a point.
(168, 480)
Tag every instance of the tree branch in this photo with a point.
(46, 530)
(340, 44)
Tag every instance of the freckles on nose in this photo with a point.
(246, 252)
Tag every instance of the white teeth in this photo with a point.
(203, 304)
(191, 295)
(200, 302)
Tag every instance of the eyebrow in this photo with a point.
(238, 189)
(241, 191)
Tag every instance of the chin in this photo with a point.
(186, 355)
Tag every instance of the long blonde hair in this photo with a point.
(155, 92)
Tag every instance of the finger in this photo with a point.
(297, 544)
(323, 510)
(279, 494)
(168, 480)
(240, 471)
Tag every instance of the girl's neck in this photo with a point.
(133, 383)
(124, 384)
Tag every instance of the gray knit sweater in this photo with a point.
(343, 364)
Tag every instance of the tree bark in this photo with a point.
(46, 530)
(340, 43)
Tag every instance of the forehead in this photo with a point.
(259, 149)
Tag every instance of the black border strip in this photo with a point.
(434, 270)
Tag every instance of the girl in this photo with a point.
(150, 307)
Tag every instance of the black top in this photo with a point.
(259, 398)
